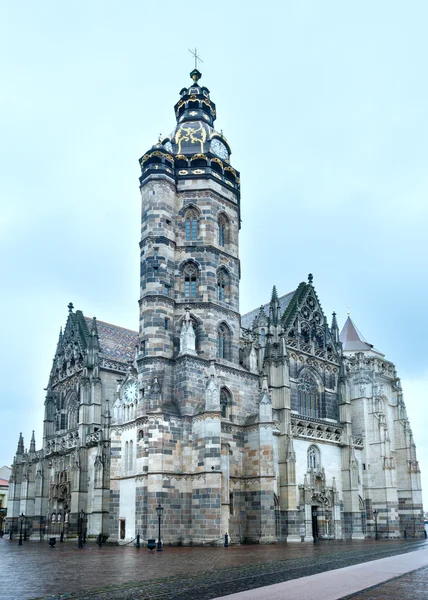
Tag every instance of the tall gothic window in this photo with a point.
(131, 456)
(308, 396)
(190, 280)
(222, 230)
(314, 458)
(224, 403)
(191, 226)
(126, 458)
(223, 341)
(222, 285)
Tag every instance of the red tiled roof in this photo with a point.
(4, 482)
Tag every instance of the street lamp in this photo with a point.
(159, 510)
(376, 514)
(81, 516)
(21, 521)
(315, 524)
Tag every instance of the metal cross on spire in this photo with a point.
(194, 53)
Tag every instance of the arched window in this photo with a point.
(223, 341)
(140, 435)
(223, 224)
(191, 225)
(225, 403)
(222, 285)
(131, 456)
(190, 280)
(126, 457)
(308, 396)
(262, 337)
(314, 458)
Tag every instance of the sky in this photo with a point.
(325, 107)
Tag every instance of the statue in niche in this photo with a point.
(212, 391)
(253, 360)
(187, 335)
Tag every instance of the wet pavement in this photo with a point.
(412, 586)
(34, 570)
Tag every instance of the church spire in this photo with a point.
(33, 443)
(20, 449)
(334, 329)
(274, 308)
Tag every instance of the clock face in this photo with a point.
(131, 391)
(217, 147)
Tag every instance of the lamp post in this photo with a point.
(376, 514)
(81, 516)
(315, 524)
(159, 510)
(21, 522)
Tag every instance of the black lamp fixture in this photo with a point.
(159, 511)
(81, 517)
(21, 522)
(376, 514)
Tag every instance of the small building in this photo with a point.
(5, 473)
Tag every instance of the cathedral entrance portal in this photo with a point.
(315, 522)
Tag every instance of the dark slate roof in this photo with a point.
(284, 301)
(115, 342)
(353, 340)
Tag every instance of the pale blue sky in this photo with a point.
(325, 106)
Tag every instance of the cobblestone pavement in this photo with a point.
(412, 586)
(34, 570)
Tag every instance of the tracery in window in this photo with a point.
(191, 225)
(223, 226)
(190, 280)
(308, 396)
(314, 458)
(223, 285)
(223, 341)
(225, 403)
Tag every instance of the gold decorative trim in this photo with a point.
(183, 172)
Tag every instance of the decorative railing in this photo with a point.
(315, 430)
(94, 438)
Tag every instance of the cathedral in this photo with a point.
(270, 427)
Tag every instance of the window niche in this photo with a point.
(191, 275)
(223, 341)
(314, 458)
(191, 225)
(308, 396)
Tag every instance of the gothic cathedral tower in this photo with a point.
(189, 314)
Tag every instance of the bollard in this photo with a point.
(405, 534)
(138, 545)
(61, 537)
(99, 540)
(425, 534)
(226, 540)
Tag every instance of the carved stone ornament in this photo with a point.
(212, 390)
(187, 335)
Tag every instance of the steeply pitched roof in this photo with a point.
(116, 342)
(247, 319)
(353, 340)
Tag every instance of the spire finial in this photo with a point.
(194, 53)
(196, 74)
(70, 307)
(310, 278)
(349, 311)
